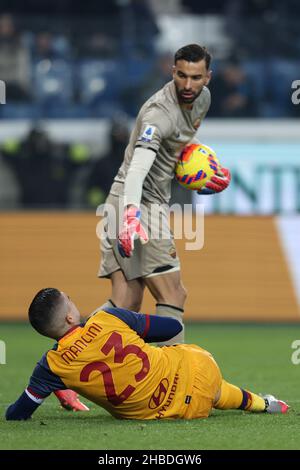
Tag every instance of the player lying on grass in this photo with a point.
(108, 361)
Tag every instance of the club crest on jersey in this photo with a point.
(148, 133)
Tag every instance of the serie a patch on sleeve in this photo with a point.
(148, 133)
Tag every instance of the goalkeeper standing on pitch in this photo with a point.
(134, 256)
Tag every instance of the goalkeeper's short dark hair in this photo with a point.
(193, 53)
(42, 310)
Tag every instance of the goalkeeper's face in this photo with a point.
(190, 78)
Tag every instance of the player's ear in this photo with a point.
(208, 77)
(69, 318)
(174, 70)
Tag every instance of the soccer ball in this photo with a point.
(196, 165)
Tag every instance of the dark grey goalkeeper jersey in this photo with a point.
(163, 126)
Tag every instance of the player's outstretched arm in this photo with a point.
(42, 383)
(151, 328)
(23, 408)
(132, 228)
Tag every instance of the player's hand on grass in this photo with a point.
(217, 183)
(131, 230)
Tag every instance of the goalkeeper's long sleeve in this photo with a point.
(140, 165)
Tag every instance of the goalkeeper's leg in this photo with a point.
(170, 296)
(231, 397)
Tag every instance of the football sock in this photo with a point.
(109, 304)
(165, 310)
(233, 397)
(257, 403)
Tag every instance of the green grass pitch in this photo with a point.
(257, 357)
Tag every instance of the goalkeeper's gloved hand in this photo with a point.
(217, 183)
(131, 230)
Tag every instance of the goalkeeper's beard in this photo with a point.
(187, 99)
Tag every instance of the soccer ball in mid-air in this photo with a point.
(196, 165)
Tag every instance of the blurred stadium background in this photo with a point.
(75, 78)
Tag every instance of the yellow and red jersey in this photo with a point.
(110, 364)
(107, 361)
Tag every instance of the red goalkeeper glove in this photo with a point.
(217, 183)
(131, 230)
